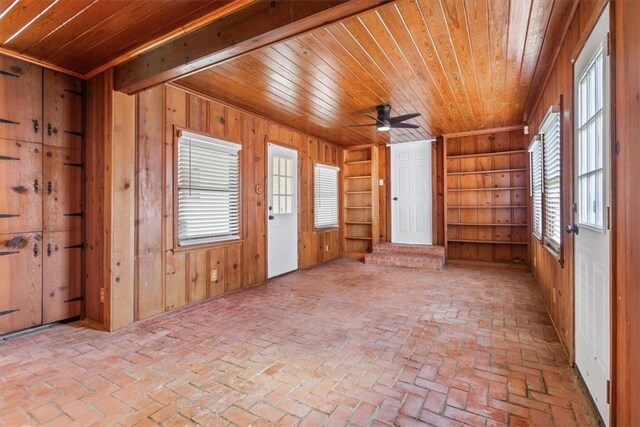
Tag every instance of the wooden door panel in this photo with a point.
(20, 100)
(62, 179)
(20, 186)
(62, 258)
(62, 110)
(20, 281)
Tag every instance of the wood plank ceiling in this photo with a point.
(464, 64)
(84, 35)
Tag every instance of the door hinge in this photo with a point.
(609, 391)
(102, 295)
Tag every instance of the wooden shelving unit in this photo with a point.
(360, 200)
(486, 189)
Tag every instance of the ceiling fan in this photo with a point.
(384, 122)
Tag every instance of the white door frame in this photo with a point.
(428, 238)
(592, 243)
(280, 258)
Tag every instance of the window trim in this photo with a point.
(213, 243)
(536, 142)
(337, 170)
(556, 253)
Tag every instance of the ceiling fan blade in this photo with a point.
(361, 126)
(404, 117)
(374, 118)
(404, 126)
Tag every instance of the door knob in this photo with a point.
(395, 198)
(271, 217)
(572, 229)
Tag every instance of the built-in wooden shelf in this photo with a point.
(360, 200)
(492, 242)
(358, 162)
(358, 177)
(479, 172)
(486, 207)
(486, 197)
(496, 153)
(487, 189)
(488, 224)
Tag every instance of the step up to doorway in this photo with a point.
(410, 256)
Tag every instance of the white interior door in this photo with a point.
(411, 193)
(282, 210)
(592, 189)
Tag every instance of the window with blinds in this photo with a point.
(535, 163)
(550, 133)
(325, 196)
(208, 175)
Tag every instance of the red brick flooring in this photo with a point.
(342, 344)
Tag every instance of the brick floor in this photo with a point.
(342, 344)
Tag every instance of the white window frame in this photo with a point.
(536, 185)
(326, 204)
(551, 133)
(216, 182)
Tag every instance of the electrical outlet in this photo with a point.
(326, 248)
(554, 296)
(214, 275)
(381, 182)
(102, 295)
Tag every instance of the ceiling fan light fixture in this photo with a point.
(384, 128)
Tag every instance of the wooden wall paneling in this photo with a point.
(626, 205)
(122, 233)
(20, 281)
(175, 280)
(197, 277)
(62, 208)
(61, 277)
(150, 171)
(554, 279)
(234, 267)
(21, 95)
(63, 110)
(98, 113)
(216, 264)
(20, 186)
(383, 194)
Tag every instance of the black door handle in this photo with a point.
(395, 198)
(572, 229)
(271, 217)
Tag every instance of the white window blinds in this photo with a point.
(208, 189)
(550, 132)
(535, 162)
(326, 196)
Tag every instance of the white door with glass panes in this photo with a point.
(411, 192)
(591, 222)
(282, 210)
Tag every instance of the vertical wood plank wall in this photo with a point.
(168, 277)
(110, 196)
(554, 279)
(625, 210)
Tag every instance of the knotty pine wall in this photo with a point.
(555, 277)
(626, 224)
(168, 277)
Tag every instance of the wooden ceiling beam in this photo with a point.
(252, 27)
